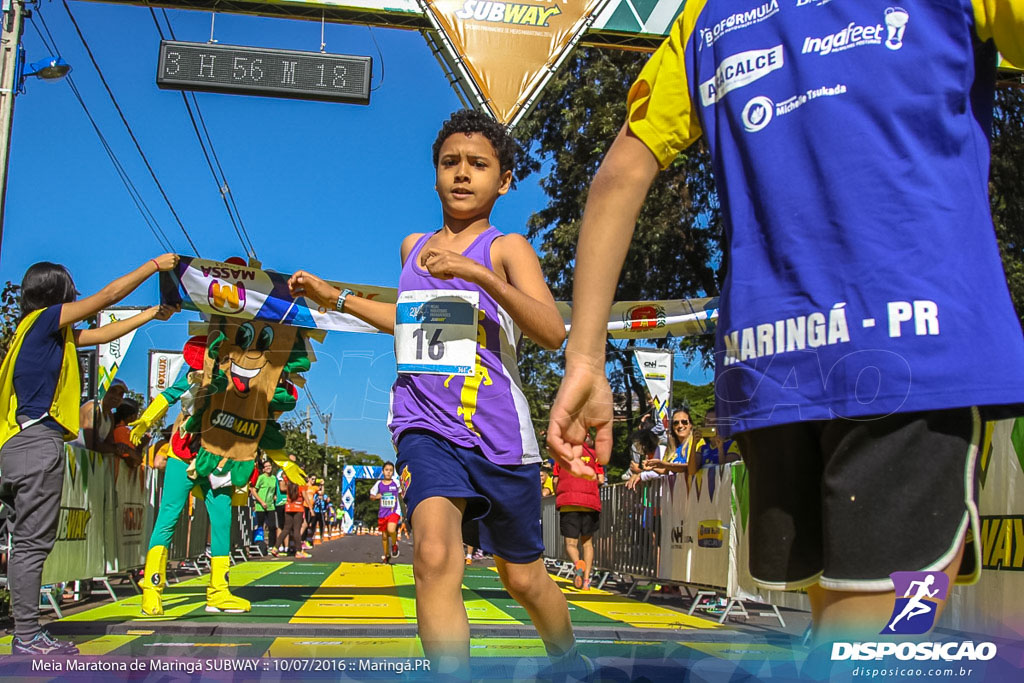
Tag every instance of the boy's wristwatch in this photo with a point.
(339, 305)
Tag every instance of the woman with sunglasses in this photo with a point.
(684, 448)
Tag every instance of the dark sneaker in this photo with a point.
(394, 550)
(42, 644)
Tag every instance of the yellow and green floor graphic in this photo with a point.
(351, 593)
(358, 610)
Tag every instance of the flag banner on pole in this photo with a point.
(656, 367)
(164, 367)
(111, 355)
(217, 288)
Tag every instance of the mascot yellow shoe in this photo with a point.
(153, 581)
(218, 597)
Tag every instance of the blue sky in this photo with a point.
(332, 188)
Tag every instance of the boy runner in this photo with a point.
(579, 515)
(850, 147)
(387, 490)
(465, 441)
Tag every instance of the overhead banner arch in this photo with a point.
(498, 55)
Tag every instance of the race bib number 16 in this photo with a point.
(435, 331)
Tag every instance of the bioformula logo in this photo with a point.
(918, 596)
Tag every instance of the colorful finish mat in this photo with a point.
(373, 595)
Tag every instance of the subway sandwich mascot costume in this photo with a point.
(237, 387)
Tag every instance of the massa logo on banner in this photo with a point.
(508, 49)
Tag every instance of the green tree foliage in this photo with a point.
(311, 456)
(1005, 187)
(676, 251)
(10, 316)
(697, 398)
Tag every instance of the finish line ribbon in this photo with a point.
(218, 288)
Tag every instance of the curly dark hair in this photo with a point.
(473, 121)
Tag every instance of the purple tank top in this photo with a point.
(486, 410)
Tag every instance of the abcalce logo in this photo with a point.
(918, 595)
(738, 70)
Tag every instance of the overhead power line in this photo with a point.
(133, 192)
(210, 152)
(128, 127)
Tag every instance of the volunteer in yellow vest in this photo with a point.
(39, 396)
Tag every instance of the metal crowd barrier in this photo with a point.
(629, 537)
(671, 530)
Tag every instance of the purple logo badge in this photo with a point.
(918, 595)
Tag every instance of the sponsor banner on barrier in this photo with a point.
(696, 548)
(105, 517)
(132, 516)
(656, 368)
(164, 367)
(509, 49)
(78, 551)
(111, 355)
(996, 603)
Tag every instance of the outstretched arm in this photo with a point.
(377, 313)
(116, 330)
(115, 291)
(584, 399)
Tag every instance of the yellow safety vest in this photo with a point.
(64, 408)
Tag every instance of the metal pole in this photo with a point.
(327, 425)
(9, 41)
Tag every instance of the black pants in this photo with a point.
(318, 521)
(32, 462)
(267, 519)
(292, 529)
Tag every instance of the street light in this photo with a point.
(49, 69)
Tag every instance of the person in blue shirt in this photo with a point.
(40, 390)
(865, 324)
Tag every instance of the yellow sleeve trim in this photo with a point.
(660, 110)
(1002, 21)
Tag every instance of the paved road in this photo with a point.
(368, 549)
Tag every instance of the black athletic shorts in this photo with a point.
(578, 523)
(844, 503)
